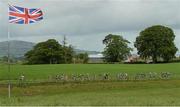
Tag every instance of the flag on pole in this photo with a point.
(20, 15)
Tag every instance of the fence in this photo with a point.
(22, 81)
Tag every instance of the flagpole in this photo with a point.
(9, 82)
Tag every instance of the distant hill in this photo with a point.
(19, 48)
(77, 51)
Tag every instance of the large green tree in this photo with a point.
(156, 42)
(116, 49)
(82, 58)
(67, 54)
(48, 52)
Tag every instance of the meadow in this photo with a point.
(43, 71)
(144, 92)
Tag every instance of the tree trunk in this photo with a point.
(154, 59)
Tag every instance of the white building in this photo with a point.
(96, 58)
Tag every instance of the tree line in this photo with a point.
(52, 52)
(152, 43)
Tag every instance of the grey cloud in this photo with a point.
(90, 17)
(85, 20)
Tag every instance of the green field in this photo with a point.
(148, 92)
(43, 71)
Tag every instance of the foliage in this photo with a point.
(156, 42)
(81, 58)
(116, 48)
(67, 54)
(49, 52)
(4, 59)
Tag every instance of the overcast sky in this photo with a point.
(86, 22)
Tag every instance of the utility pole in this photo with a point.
(64, 46)
(50, 60)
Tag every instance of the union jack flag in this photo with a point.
(20, 15)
